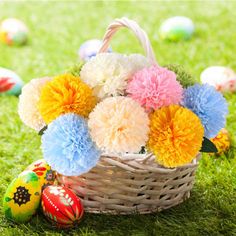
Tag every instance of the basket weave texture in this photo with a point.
(131, 183)
(136, 184)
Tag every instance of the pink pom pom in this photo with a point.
(155, 87)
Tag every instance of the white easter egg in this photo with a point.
(222, 78)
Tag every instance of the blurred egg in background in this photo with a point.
(222, 78)
(90, 49)
(10, 82)
(177, 28)
(13, 32)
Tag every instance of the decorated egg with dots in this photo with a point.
(177, 28)
(61, 206)
(222, 141)
(13, 32)
(90, 49)
(22, 197)
(10, 82)
(222, 78)
(44, 172)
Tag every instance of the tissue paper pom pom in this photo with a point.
(107, 73)
(67, 146)
(222, 141)
(182, 76)
(119, 125)
(65, 94)
(28, 103)
(176, 135)
(209, 105)
(155, 87)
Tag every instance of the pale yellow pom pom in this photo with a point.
(119, 125)
(28, 103)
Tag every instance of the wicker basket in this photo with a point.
(132, 183)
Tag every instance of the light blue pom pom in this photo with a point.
(209, 105)
(67, 146)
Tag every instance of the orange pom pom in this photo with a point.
(176, 135)
(65, 94)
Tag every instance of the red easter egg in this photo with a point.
(61, 206)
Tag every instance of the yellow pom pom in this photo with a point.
(176, 135)
(65, 94)
(222, 141)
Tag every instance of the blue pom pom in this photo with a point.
(209, 105)
(67, 146)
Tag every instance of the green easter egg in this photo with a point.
(176, 29)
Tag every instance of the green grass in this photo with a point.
(57, 29)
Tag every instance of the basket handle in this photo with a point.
(137, 30)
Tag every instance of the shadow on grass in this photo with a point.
(202, 214)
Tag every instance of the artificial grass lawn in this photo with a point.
(57, 29)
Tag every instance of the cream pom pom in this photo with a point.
(138, 62)
(107, 73)
(28, 103)
(119, 125)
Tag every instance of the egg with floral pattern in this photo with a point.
(22, 197)
(222, 141)
(61, 206)
(10, 82)
(44, 172)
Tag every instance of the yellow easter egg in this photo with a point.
(222, 141)
(44, 172)
(22, 197)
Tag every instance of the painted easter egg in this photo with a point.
(13, 32)
(10, 82)
(44, 172)
(222, 78)
(22, 197)
(222, 141)
(177, 28)
(90, 49)
(61, 206)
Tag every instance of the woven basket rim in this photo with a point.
(142, 158)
